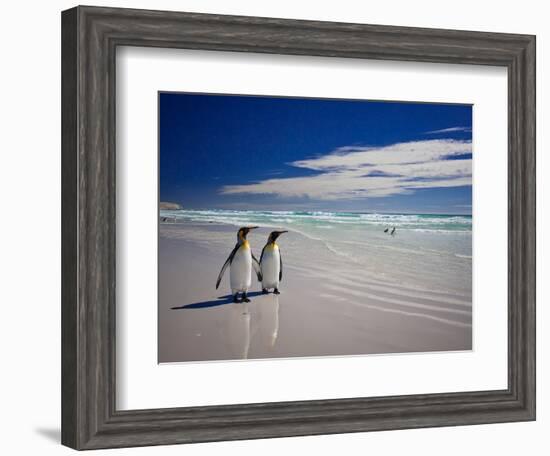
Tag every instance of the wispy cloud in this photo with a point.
(449, 130)
(366, 172)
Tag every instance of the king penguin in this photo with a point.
(241, 261)
(271, 264)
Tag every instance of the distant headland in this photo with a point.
(167, 206)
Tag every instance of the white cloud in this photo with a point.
(449, 130)
(363, 172)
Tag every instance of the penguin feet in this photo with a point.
(265, 291)
(245, 298)
(236, 300)
(276, 291)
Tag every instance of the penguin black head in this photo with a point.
(241, 234)
(274, 235)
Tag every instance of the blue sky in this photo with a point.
(242, 152)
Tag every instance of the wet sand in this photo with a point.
(328, 306)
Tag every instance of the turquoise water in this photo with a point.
(435, 223)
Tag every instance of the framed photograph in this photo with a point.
(280, 228)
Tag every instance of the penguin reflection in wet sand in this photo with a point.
(241, 261)
(271, 264)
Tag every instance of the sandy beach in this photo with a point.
(338, 297)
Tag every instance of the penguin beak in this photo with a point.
(276, 234)
(253, 227)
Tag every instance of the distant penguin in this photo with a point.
(241, 261)
(386, 230)
(271, 264)
(393, 231)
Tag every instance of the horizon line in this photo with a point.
(320, 210)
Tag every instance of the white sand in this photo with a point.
(329, 304)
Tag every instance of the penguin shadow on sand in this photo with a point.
(220, 301)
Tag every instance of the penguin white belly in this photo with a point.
(271, 267)
(240, 273)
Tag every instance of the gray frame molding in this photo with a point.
(89, 39)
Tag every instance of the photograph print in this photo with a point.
(311, 227)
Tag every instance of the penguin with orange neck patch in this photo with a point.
(241, 261)
(271, 264)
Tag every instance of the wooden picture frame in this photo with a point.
(90, 36)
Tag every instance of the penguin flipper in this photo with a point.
(227, 263)
(262, 255)
(257, 268)
(280, 266)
